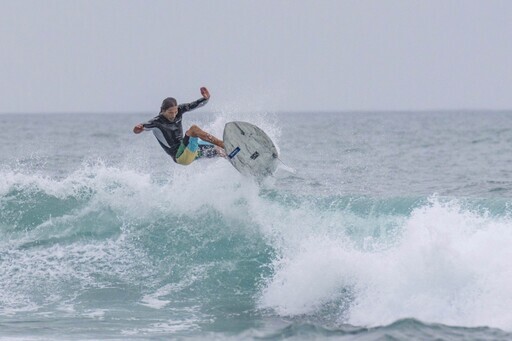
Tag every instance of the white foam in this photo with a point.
(154, 300)
(450, 266)
(97, 314)
(36, 277)
(442, 263)
(30, 274)
(166, 327)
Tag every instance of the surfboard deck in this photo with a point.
(249, 149)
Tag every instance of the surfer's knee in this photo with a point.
(193, 131)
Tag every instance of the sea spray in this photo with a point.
(449, 265)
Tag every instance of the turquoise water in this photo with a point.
(376, 225)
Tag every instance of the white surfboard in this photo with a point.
(249, 149)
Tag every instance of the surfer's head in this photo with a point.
(169, 108)
(167, 103)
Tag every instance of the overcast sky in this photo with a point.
(126, 56)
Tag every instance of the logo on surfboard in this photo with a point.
(234, 152)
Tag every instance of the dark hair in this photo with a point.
(167, 103)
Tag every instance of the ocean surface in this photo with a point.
(389, 225)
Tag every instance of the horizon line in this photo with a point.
(340, 111)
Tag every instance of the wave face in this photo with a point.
(194, 252)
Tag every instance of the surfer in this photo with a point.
(168, 130)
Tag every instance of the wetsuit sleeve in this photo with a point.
(182, 108)
(150, 124)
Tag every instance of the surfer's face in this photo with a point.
(171, 113)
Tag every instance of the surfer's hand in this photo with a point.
(205, 93)
(138, 129)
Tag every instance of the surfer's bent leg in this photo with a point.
(195, 131)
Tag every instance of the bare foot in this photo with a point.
(220, 151)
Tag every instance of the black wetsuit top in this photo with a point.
(170, 133)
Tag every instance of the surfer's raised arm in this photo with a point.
(196, 104)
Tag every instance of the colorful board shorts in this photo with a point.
(192, 148)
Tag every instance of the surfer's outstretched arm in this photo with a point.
(139, 128)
